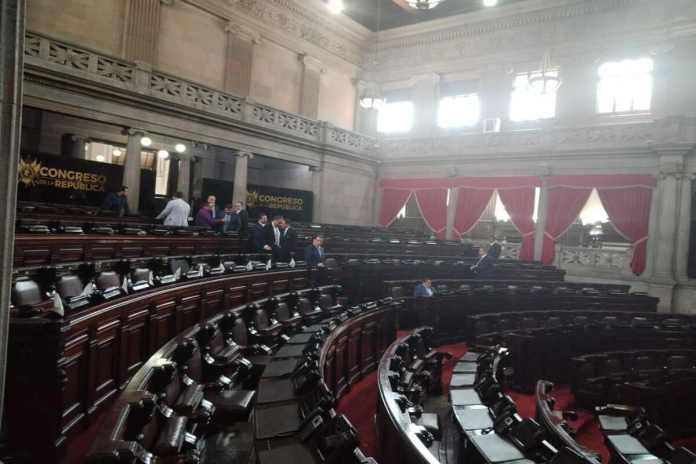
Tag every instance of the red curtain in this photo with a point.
(471, 203)
(432, 204)
(519, 204)
(563, 207)
(392, 202)
(629, 212)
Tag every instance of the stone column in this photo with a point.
(496, 87)
(239, 58)
(684, 228)
(309, 91)
(131, 170)
(173, 176)
(12, 14)
(669, 189)
(142, 29)
(426, 101)
(241, 171)
(541, 220)
(365, 118)
(317, 184)
(577, 96)
(184, 181)
(451, 213)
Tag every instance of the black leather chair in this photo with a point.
(289, 320)
(310, 313)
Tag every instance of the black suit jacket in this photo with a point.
(270, 238)
(257, 237)
(484, 267)
(494, 250)
(311, 256)
(288, 241)
(243, 222)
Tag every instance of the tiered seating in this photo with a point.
(408, 372)
(81, 361)
(631, 438)
(192, 400)
(546, 352)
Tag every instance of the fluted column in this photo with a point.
(239, 58)
(142, 29)
(309, 93)
(426, 101)
(183, 184)
(131, 170)
(241, 172)
(664, 245)
(12, 14)
(541, 220)
(317, 185)
(451, 214)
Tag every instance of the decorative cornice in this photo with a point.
(311, 63)
(286, 16)
(243, 32)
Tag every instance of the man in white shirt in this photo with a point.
(177, 212)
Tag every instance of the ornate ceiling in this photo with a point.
(394, 14)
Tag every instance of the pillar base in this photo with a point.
(664, 290)
(684, 300)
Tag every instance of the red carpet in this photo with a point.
(360, 404)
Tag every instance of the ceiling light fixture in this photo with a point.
(423, 4)
(163, 154)
(117, 152)
(335, 6)
(490, 3)
(547, 79)
(180, 147)
(100, 158)
(145, 141)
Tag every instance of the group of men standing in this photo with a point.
(276, 237)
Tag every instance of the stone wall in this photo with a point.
(231, 48)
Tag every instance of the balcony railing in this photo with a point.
(79, 62)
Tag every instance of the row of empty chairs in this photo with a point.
(225, 392)
(633, 438)
(76, 288)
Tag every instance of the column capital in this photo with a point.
(243, 32)
(168, 2)
(245, 154)
(131, 132)
(311, 63)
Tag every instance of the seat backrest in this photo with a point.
(325, 301)
(305, 305)
(261, 319)
(69, 286)
(678, 361)
(240, 333)
(397, 292)
(26, 292)
(165, 383)
(283, 312)
(141, 274)
(107, 280)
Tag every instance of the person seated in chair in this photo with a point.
(424, 289)
(494, 248)
(484, 266)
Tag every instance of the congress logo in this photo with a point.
(29, 171)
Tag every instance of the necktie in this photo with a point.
(276, 233)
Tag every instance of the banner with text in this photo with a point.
(296, 205)
(54, 179)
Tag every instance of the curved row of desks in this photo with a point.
(350, 346)
(66, 369)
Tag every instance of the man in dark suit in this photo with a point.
(257, 234)
(484, 267)
(273, 237)
(494, 248)
(314, 253)
(314, 258)
(424, 289)
(288, 241)
(243, 217)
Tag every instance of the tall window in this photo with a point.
(625, 86)
(395, 117)
(531, 99)
(459, 111)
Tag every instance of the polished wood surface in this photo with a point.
(66, 369)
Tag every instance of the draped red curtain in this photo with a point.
(629, 212)
(563, 207)
(432, 204)
(392, 202)
(519, 204)
(471, 204)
